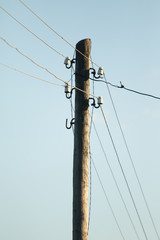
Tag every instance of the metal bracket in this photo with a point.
(71, 62)
(94, 103)
(69, 94)
(71, 123)
(94, 73)
(100, 101)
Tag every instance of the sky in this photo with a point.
(36, 156)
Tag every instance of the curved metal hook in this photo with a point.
(94, 73)
(69, 94)
(72, 61)
(94, 103)
(71, 123)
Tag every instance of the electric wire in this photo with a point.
(115, 181)
(144, 94)
(123, 87)
(4, 40)
(90, 161)
(37, 64)
(90, 183)
(140, 186)
(130, 157)
(31, 31)
(25, 5)
(107, 199)
(123, 173)
(27, 74)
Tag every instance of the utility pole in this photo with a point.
(81, 142)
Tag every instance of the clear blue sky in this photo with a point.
(36, 156)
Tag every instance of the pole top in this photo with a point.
(81, 43)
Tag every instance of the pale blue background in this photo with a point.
(36, 149)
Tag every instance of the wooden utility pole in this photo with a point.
(81, 142)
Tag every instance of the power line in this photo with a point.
(144, 94)
(127, 89)
(53, 30)
(27, 74)
(127, 184)
(115, 181)
(130, 157)
(90, 160)
(4, 40)
(31, 32)
(108, 200)
(37, 64)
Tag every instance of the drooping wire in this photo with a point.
(107, 199)
(4, 40)
(31, 31)
(123, 173)
(37, 64)
(144, 94)
(54, 31)
(123, 87)
(90, 161)
(115, 181)
(130, 157)
(27, 74)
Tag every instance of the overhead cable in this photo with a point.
(115, 181)
(107, 199)
(123, 173)
(123, 87)
(90, 160)
(27, 74)
(37, 64)
(130, 157)
(54, 31)
(31, 32)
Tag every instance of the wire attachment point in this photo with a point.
(69, 63)
(71, 123)
(99, 102)
(100, 72)
(68, 92)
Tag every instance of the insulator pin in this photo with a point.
(100, 101)
(67, 61)
(100, 71)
